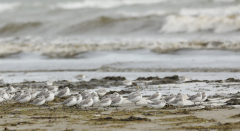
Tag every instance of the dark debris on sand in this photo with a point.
(233, 102)
(232, 80)
(131, 118)
(156, 80)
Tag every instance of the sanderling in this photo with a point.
(53, 88)
(79, 99)
(101, 92)
(64, 92)
(49, 96)
(127, 82)
(117, 101)
(33, 94)
(112, 96)
(170, 98)
(18, 94)
(71, 101)
(204, 96)
(42, 93)
(29, 89)
(24, 98)
(11, 95)
(49, 83)
(155, 96)
(157, 104)
(183, 79)
(105, 102)
(196, 98)
(95, 97)
(86, 93)
(135, 97)
(10, 89)
(178, 102)
(39, 101)
(5, 95)
(80, 77)
(87, 102)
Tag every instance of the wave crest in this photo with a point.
(11, 28)
(189, 24)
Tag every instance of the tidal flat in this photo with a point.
(219, 112)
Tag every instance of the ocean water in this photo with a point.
(120, 35)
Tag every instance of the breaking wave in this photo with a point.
(189, 24)
(101, 4)
(71, 47)
(8, 6)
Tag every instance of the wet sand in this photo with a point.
(217, 113)
(168, 118)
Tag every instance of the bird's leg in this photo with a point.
(76, 106)
(136, 104)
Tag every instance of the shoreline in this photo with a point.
(215, 113)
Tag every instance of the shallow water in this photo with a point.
(127, 61)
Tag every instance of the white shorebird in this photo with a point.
(80, 77)
(86, 102)
(42, 93)
(196, 98)
(5, 95)
(170, 98)
(8, 95)
(11, 95)
(49, 82)
(29, 89)
(105, 102)
(33, 94)
(157, 104)
(204, 96)
(155, 96)
(112, 96)
(53, 88)
(127, 82)
(178, 102)
(184, 78)
(18, 94)
(95, 98)
(117, 101)
(49, 96)
(24, 98)
(86, 93)
(79, 99)
(135, 97)
(39, 101)
(71, 101)
(101, 92)
(10, 89)
(64, 92)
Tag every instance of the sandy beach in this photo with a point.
(216, 113)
